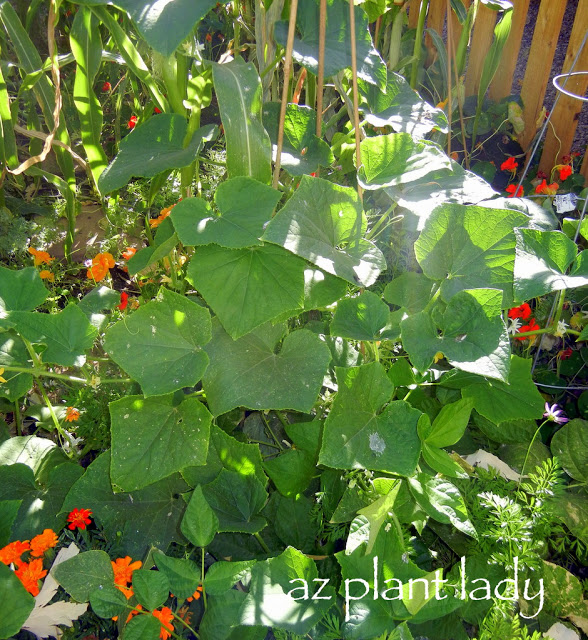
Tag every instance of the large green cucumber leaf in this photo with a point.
(67, 334)
(542, 259)
(247, 287)
(221, 619)
(250, 372)
(570, 445)
(410, 290)
(152, 438)
(473, 336)
(397, 159)
(500, 401)
(164, 24)
(469, 247)
(165, 240)
(360, 318)
(370, 66)
(360, 434)
(236, 501)
(13, 353)
(138, 520)
(268, 602)
(244, 206)
(400, 107)
(302, 151)
(153, 147)
(324, 223)
(239, 93)
(21, 290)
(160, 344)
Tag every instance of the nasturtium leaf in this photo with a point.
(302, 151)
(137, 520)
(472, 335)
(153, 147)
(16, 603)
(221, 618)
(244, 206)
(360, 434)
(83, 573)
(442, 501)
(268, 602)
(410, 290)
(469, 247)
(108, 601)
(21, 290)
(247, 287)
(13, 353)
(183, 574)
(449, 425)
(164, 24)
(151, 588)
(165, 240)
(152, 438)
(160, 344)
(225, 452)
(400, 107)
(237, 501)
(222, 576)
(239, 93)
(455, 185)
(397, 159)
(370, 66)
(360, 318)
(499, 401)
(67, 334)
(249, 373)
(570, 445)
(542, 259)
(324, 223)
(199, 523)
(142, 628)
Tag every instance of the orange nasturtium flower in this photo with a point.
(547, 189)
(79, 518)
(165, 616)
(12, 552)
(509, 165)
(514, 191)
(43, 542)
(101, 263)
(40, 257)
(565, 171)
(129, 252)
(29, 573)
(47, 275)
(71, 414)
(163, 214)
(123, 570)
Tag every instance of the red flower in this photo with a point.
(532, 326)
(132, 122)
(79, 518)
(523, 312)
(106, 87)
(547, 189)
(156, 110)
(565, 172)
(514, 191)
(124, 301)
(208, 37)
(565, 354)
(509, 165)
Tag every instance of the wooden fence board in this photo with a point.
(435, 20)
(413, 13)
(502, 84)
(456, 27)
(547, 28)
(481, 42)
(565, 115)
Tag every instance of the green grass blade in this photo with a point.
(7, 139)
(86, 46)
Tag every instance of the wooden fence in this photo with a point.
(564, 120)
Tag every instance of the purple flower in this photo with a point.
(555, 414)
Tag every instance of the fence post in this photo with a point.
(565, 116)
(481, 43)
(547, 28)
(501, 86)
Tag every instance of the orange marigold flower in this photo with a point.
(126, 591)
(43, 542)
(509, 165)
(133, 613)
(514, 191)
(123, 570)
(565, 171)
(71, 414)
(129, 252)
(12, 552)
(79, 518)
(165, 616)
(547, 189)
(47, 275)
(40, 257)
(101, 263)
(29, 573)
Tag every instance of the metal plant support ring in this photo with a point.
(569, 93)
